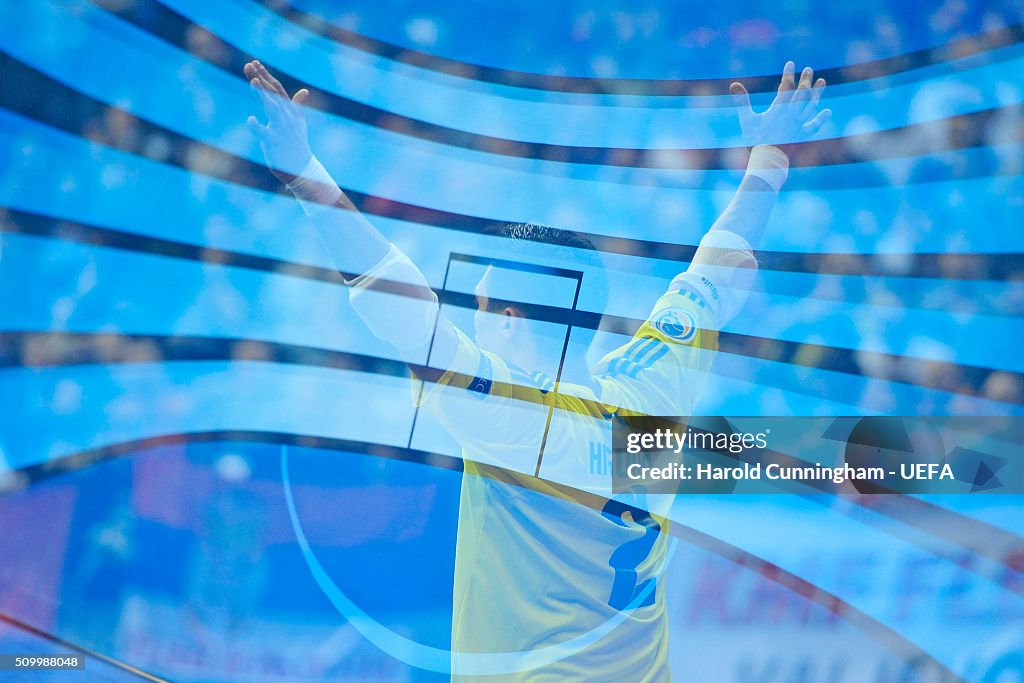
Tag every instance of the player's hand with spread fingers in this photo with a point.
(284, 139)
(793, 116)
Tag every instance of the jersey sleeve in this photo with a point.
(496, 412)
(662, 370)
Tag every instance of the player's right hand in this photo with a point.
(284, 139)
(793, 116)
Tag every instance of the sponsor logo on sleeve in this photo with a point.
(677, 324)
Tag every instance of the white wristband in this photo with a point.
(314, 188)
(770, 164)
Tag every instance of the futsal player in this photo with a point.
(553, 580)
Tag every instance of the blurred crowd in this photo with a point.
(887, 288)
(976, 146)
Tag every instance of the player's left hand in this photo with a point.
(284, 139)
(793, 116)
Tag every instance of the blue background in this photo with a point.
(168, 322)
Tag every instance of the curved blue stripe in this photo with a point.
(926, 334)
(989, 199)
(437, 659)
(929, 334)
(468, 182)
(587, 120)
(987, 341)
(158, 200)
(181, 397)
(148, 294)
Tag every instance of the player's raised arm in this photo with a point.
(663, 369)
(284, 139)
(793, 117)
(723, 267)
(387, 290)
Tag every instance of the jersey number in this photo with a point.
(628, 556)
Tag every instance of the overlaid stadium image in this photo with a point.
(412, 341)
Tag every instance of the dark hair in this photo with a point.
(568, 249)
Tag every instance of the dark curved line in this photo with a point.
(853, 73)
(880, 632)
(86, 348)
(829, 358)
(834, 151)
(1005, 548)
(81, 649)
(90, 348)
(834, 358)
(22, 101)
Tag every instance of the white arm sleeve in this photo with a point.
(723, 268)
(722, 273)
(395, 301)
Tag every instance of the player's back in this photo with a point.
(552, 570)
(544, 575)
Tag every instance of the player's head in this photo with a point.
(519, 311)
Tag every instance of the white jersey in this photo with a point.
(549, 569)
